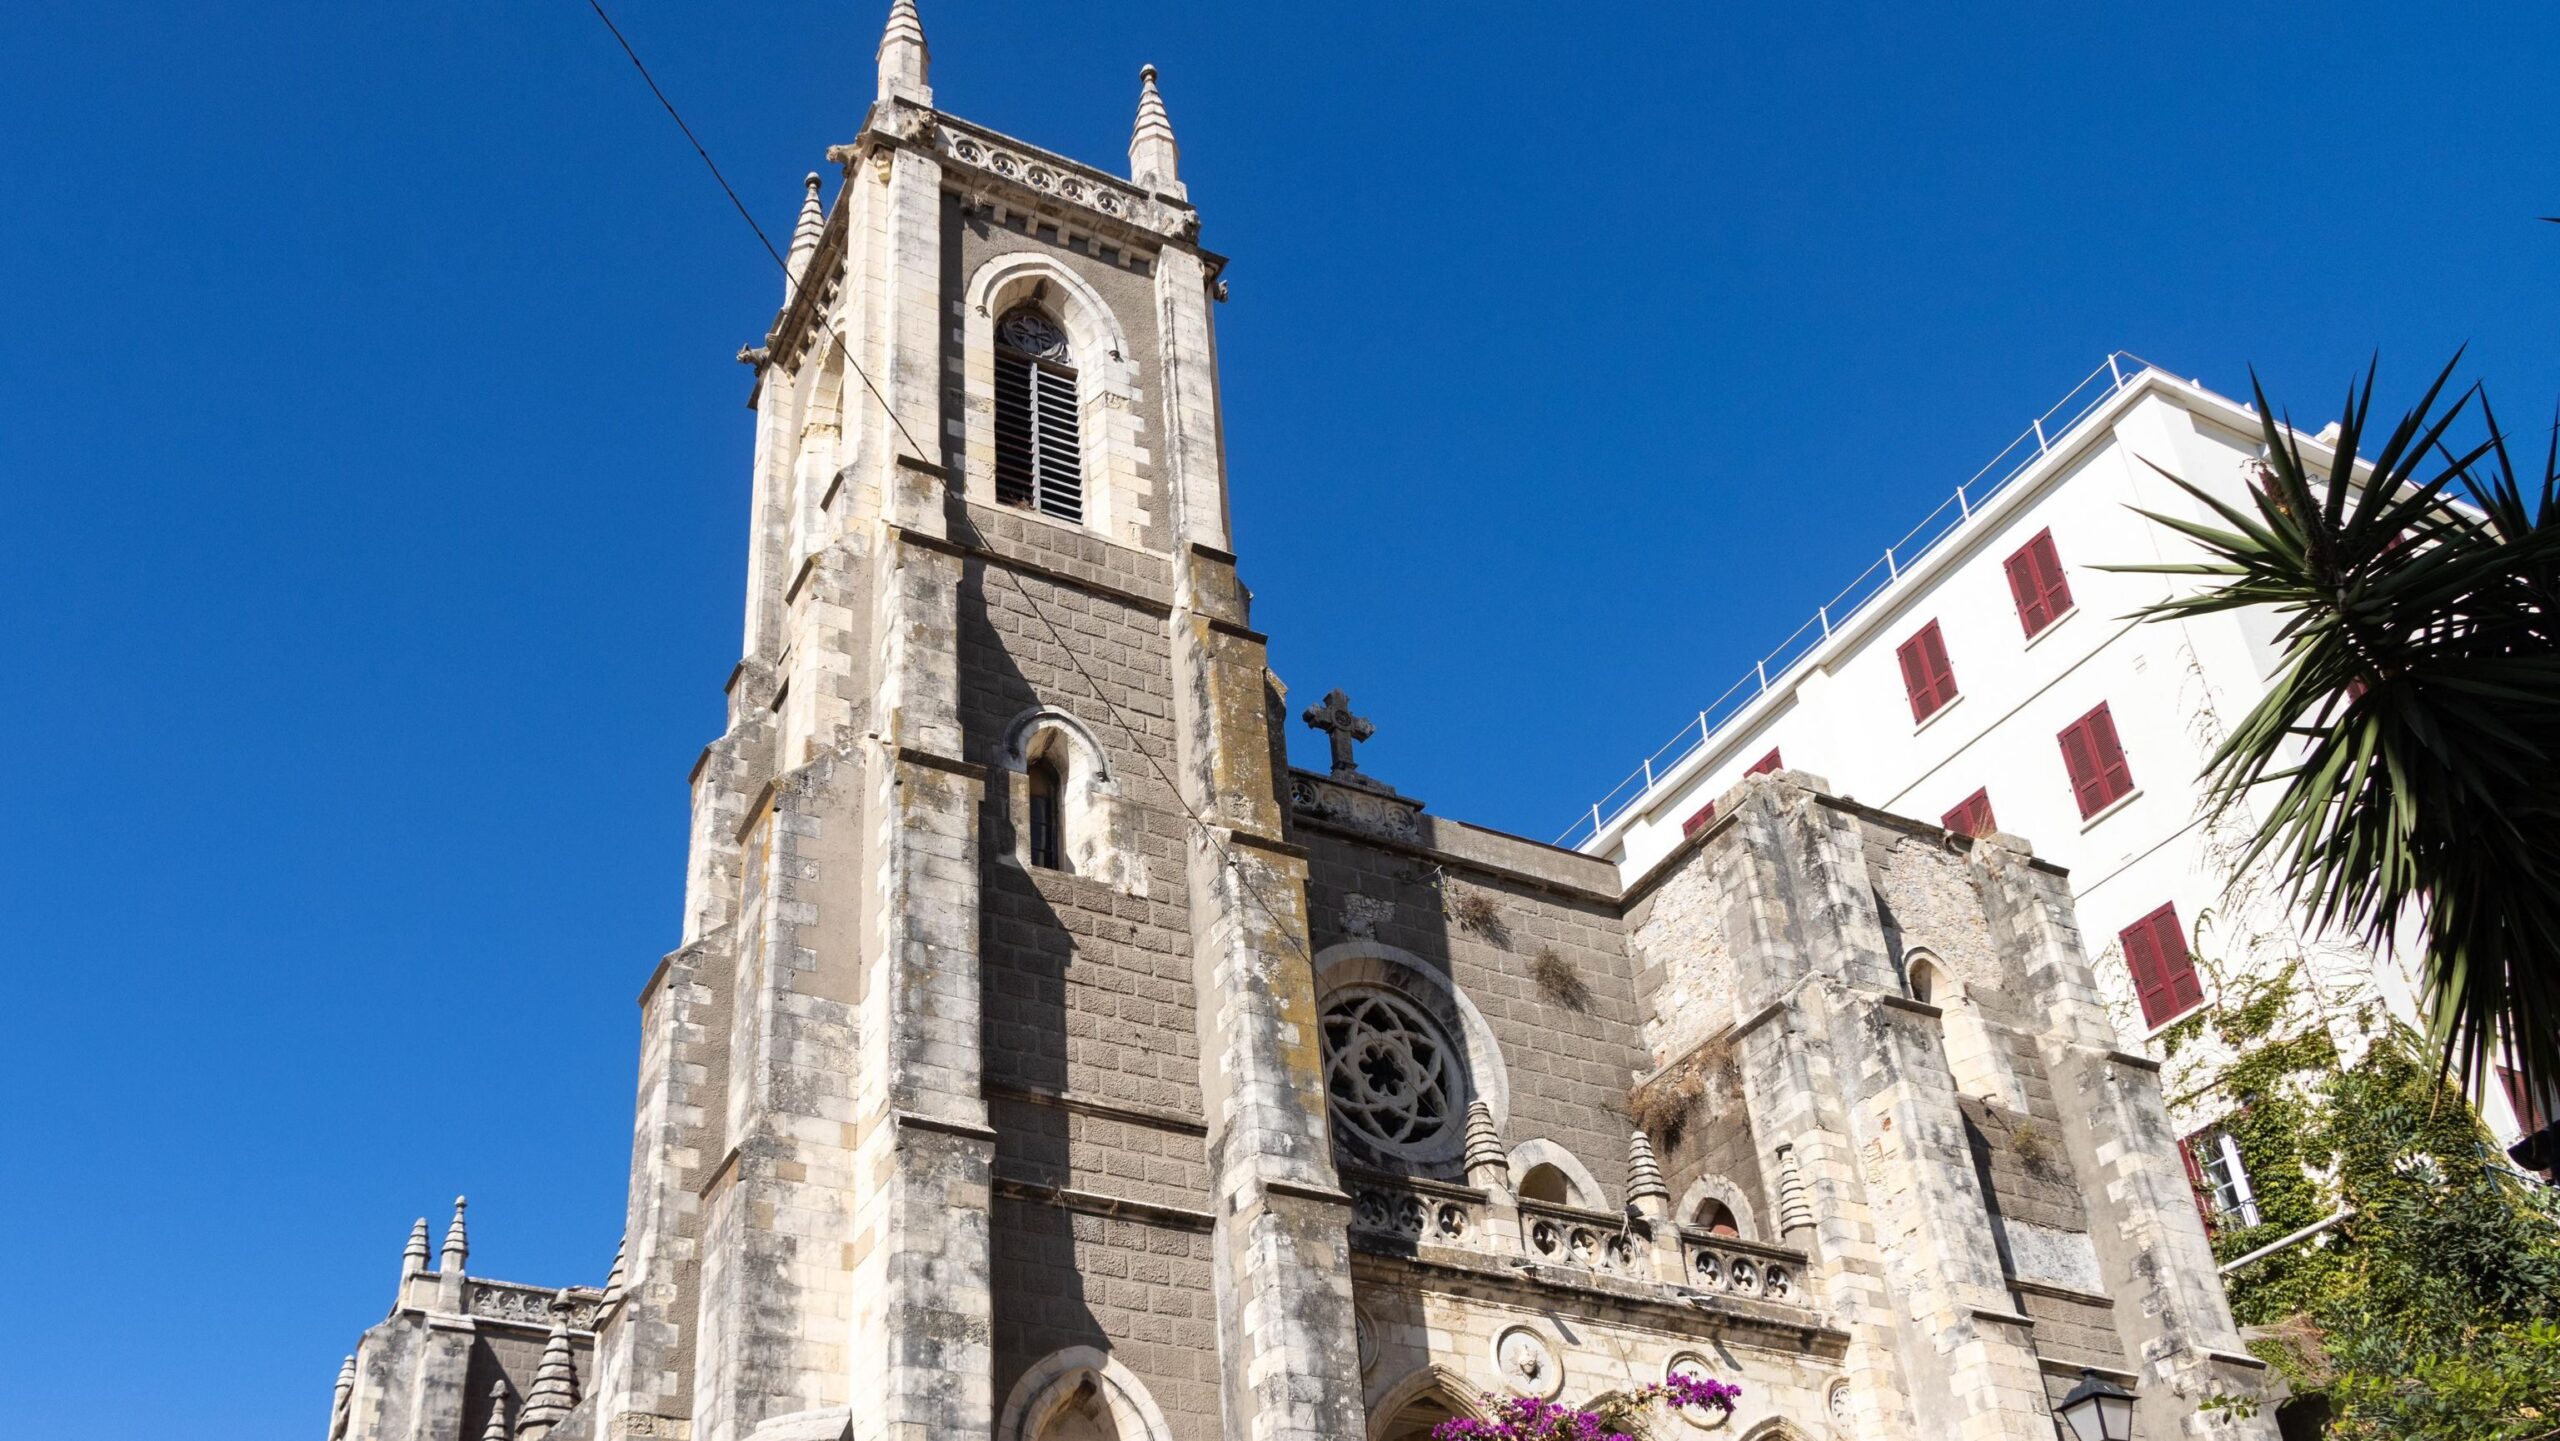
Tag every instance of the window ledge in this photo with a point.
(2153, 1035)
(1932, 718)
(2051, 626)
(2110, 808)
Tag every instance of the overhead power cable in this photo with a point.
(978, 537)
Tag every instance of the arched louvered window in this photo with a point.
(1039, 456)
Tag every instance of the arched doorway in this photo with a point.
(1410, 1408)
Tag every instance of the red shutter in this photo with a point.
(2036, 583)
(2195, 1182)
(1972, 816)
(1926, 676)
(1765, 764)
(2528, 1115)
(2164, 976)
(2099, 775)
(1694, 824)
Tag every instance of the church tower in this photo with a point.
(1043, 1060)
(985, 1080)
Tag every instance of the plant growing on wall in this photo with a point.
(1620, 1416)
(2424, 1309)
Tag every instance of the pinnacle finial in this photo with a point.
(1154, 159)
(613, 1275)
(904, 57)
(554, 1393)
(457, 1239)
(1644, 1173)
(804, 238)
(1484, 1142)
(413, 1257)
(497, 1429)
(338, 1398)
(1794, 1208)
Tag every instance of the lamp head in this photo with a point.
(2097, 1410)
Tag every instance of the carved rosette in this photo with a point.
(1049, 178)
(1529, 1366)
(528, 1306)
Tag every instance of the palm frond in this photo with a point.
(2402, 772)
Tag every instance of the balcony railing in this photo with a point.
(1407, 1216)
(2052, 430)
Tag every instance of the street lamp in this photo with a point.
(2098, 1410)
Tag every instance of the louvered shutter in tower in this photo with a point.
(1039, 451)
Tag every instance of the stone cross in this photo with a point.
(1333, 716)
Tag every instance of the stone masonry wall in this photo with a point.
(1569, 1067)
(1142, 1292)
(1092, 1049)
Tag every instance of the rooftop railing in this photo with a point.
(2043, 435)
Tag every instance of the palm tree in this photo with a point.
(2406, 756)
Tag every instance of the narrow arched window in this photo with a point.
(1715, 1218)
(1039, 456)
(1924, 982)
(1048, 848)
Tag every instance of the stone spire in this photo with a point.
(413, 1257)
(1154, 160)
(554, 1393)
(613, 1275)
(1795, 1211)
(1644, 1174)
(457, 1241)
(338, 1399)
(497, 1429)
(904, 59)
(804, 239)
(1484, 1143)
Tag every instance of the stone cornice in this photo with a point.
(1000, 166)
(1100, 1110)
(1465, 1274)
(1094, 1203)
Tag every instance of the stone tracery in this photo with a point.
(1389, 1072)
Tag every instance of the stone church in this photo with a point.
(1043, 1059)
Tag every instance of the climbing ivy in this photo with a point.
(2425, 1312)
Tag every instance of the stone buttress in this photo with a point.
(1042, 1059)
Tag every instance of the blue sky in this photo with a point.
(373, 465)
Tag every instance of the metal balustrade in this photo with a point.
(2055, 429)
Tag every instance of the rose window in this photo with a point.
(1390, 1075)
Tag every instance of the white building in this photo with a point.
(1988, 670)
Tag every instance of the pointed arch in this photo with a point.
(1113, 464)
(1430, 1382)
(1080, 1374)
(1583, 1188)
(1776, 1428)
(1051, 763)
(1034, 731)
(1721, 1191)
